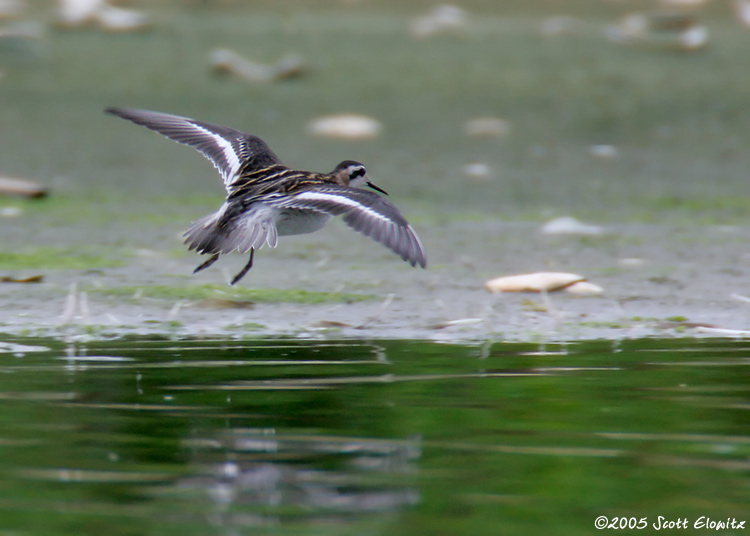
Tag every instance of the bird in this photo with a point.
(266, 199)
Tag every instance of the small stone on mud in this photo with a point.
(223, 303)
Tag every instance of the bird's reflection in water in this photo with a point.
(256, 476)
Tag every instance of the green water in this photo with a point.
(390, 437)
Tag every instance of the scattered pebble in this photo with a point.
(10, 212)
(21, 187)
(443, 19)
(77, 13)
(82, 13)
(570, 225)
(487, 126)
(603, 151)
(478, 171)
(694, 38)
(659, 31)
(224, 60)
(116, 19)
(345, 126)
(534, 282)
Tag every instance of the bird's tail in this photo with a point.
(223, 232)
(205, 235)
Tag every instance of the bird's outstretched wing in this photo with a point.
(230, 151)
(366, 212)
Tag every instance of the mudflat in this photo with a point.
(665, 281)
(648, 144)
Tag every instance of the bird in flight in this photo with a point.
(266, 199)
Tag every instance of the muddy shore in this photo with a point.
(661, 281)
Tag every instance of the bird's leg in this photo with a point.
(206, 264)
(245, 269)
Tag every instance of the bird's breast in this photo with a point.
(296, 221)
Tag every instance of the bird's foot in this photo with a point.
(206, 264)
(246, 269)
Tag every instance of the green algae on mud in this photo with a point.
(42, 258)
(211, 291)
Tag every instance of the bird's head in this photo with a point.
(351, 173)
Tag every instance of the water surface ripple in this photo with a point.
(390, 437)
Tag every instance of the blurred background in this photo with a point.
(482, 119)
(614, 111)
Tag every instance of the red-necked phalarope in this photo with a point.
(266, 199)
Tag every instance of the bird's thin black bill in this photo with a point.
(377, 188)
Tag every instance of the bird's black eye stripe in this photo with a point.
(357, 172)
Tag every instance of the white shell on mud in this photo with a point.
(478, 171)
(487, 126)
(584, 288)
(570, 225)
(442, 19)
(115, 19)
(345, 126)
(21, 187)
(534, 282)
(72, 13)
(78, 13)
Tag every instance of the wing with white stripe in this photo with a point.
(366, 212)
(229, 150)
